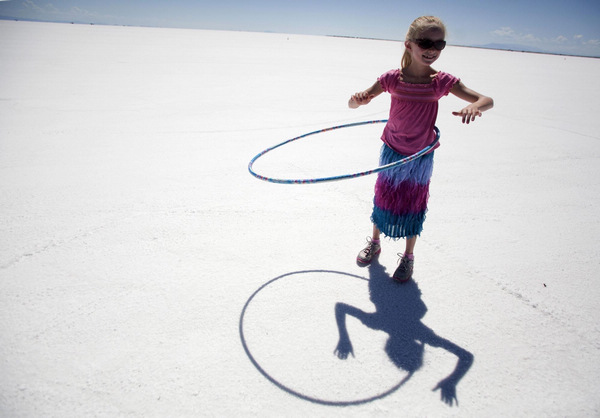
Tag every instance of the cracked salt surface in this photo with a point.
(133, 236)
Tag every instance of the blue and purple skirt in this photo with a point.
(401, 195)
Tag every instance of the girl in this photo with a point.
(401, 193)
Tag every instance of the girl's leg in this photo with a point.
(410, 244)
(375, 233)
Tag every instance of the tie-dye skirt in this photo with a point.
(401, 195)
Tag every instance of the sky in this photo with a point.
(553, 26)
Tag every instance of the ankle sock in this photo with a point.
(409, 256)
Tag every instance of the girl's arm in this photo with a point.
(364, 97)
(479, 102)
(448, 385)
(344, 346)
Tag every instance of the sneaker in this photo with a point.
(405, 270)
(371, 251)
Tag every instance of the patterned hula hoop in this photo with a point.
(343, 176)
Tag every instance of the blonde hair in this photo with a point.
(416, 28)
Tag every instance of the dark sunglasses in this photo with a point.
(428, 43)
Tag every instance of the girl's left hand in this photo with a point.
(468, 114)
(344, 348)
(448, 391)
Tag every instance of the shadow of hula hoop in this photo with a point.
(292, 391)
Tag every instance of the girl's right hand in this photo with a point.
(359, 99)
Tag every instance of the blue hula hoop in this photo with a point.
(343, 176)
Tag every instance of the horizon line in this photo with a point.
(507, 48)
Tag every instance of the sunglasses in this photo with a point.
(428, 44)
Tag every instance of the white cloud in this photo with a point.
(529, 38)
(511, 35)
(504, 31)
(576, 44)
(48, 9)
(31, 5)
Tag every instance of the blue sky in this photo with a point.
(571, 27)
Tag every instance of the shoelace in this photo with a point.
(370, 247)
(404, 262)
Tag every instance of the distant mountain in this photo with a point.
(523, 48)
(24, 19)
(513, 47)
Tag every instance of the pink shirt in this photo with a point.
(413, 110)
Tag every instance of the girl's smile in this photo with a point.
(430, 57)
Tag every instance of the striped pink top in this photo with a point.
(413, 110)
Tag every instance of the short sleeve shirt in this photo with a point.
(413, 110)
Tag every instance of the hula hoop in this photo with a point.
(343, 176)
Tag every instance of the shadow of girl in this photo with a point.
(398, 312)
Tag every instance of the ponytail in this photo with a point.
(406, 59)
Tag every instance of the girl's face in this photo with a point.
(426, 56)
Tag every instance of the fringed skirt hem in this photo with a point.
(401, 195)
